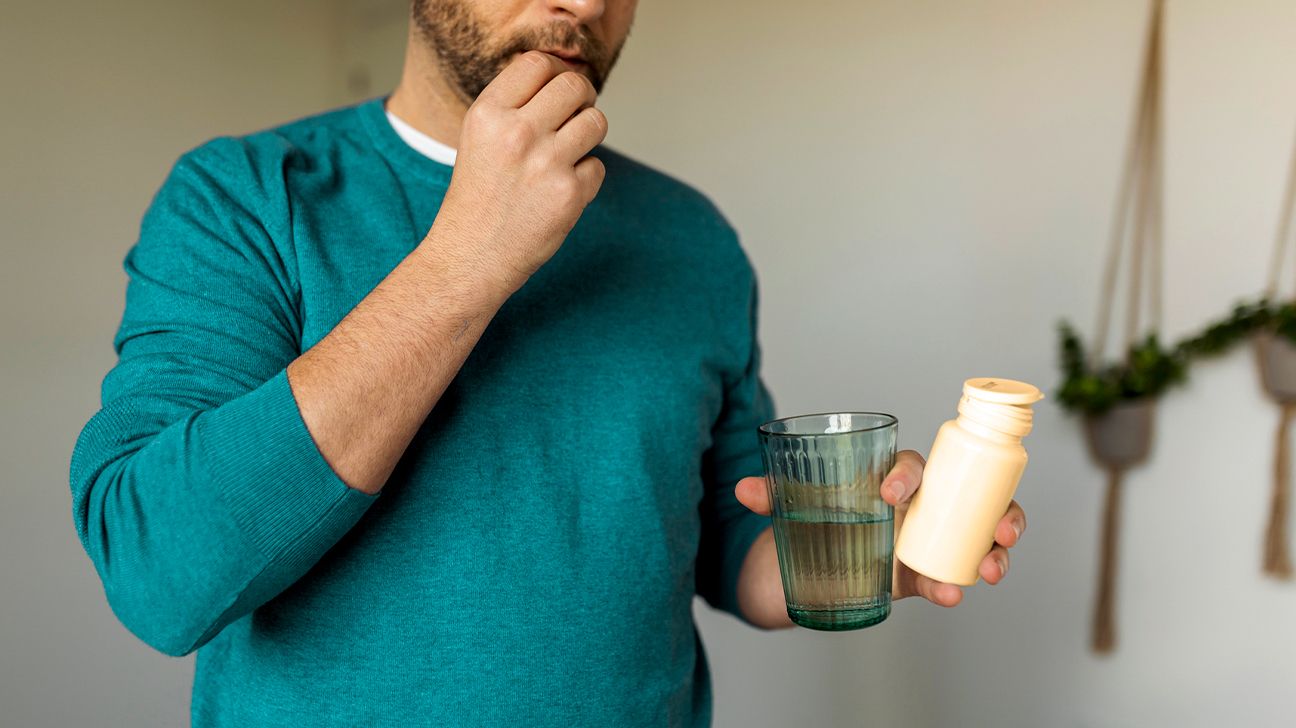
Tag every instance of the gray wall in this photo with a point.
(99, 100)
(925, 188)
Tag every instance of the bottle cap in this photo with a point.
(1002, 391)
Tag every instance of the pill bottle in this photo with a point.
(971, 474)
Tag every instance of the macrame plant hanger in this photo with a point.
(1121, 437)
(1276, 357)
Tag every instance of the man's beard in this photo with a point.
(470, 62)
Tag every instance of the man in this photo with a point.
(432, 410)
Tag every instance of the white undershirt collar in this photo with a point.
(422, 143)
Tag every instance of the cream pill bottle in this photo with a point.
(971, 474)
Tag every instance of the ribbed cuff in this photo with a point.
(274, 480)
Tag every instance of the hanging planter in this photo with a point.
(1271, 330)
(1118, 403)
(1276, 360)
(1121, 437)
(1118, 399)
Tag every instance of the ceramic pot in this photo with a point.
(1122, 436)
(1276, 356)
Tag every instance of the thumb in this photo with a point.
(751, 492)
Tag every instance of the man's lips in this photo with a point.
(571, 58)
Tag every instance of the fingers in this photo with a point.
(582, 133)
(937, 592)
(522, 79)
(563, 96)
(751, 492)
(900, 484)
(1011, 526)
(907, 583)
(590, 172)
(994, 567)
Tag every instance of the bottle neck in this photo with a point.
(1003, 423)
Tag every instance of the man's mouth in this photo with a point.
(572, 59)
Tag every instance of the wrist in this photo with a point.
(467, 271)
(760, 586)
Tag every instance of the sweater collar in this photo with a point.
(373, 115)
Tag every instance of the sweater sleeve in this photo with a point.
(197, 490)
(728, 528)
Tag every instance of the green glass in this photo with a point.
(832, 530)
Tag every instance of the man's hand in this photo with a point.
(761, 602)
(520, 182)
(522, 178)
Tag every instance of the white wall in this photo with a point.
(925, 188)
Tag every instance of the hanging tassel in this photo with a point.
(1277, 557)
(1104, 619)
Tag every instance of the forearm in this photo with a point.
(210, 508)
(760, 588)
(368, 385)
(365, 388)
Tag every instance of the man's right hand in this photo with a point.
(520, 182)
(522, 177)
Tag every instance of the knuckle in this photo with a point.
(566, 188)
(575, 82)
(482, 117)
(915, 470)
(516, 139)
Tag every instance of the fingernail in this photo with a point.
(1017, 529)
(895, 489)
(1003, 567)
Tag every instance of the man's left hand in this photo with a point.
(757, 587)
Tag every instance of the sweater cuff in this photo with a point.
(278, 487)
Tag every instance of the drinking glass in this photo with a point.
(832, 530)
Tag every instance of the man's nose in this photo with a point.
(584, 11)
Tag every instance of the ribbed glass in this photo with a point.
(832, 530)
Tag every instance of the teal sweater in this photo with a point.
(533, 558)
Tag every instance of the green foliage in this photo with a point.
(1148, 369)
(1219, 337)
